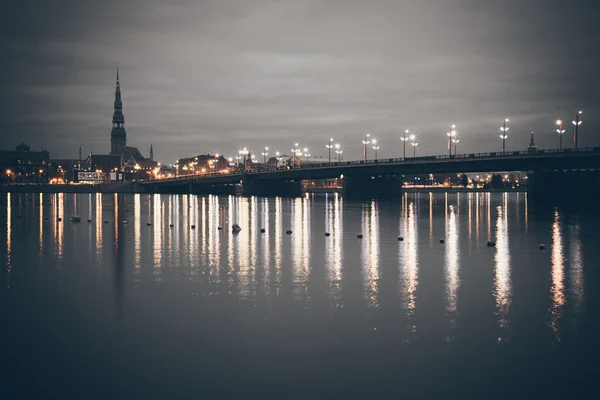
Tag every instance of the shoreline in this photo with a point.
(134, 188)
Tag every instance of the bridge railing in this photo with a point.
(407, 160)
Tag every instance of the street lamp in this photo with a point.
(265, 154)
(451, 135)
(404, 139)
(455, 141)
(414, 145)
(329, 147)
(577, 122)
(366, 142)
(294, 151)
(339, 151)
(560, 132)
(306, 154)
(503, 135)
(375, 147)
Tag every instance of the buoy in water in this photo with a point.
(491, 244)
(327, 234)
(235, 228)
(442, 241)
(106, 221)
(149, 223)
(75, 218)
(288, 232)
(400, 238)
(542, 246)
(262, 230)
(124, 222)
(220, 227)
(60, 219)
(360, 236)
(89, 220)
(171, 225)
(193, 227)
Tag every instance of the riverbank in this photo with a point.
(427, 189)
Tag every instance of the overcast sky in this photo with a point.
(215, 76)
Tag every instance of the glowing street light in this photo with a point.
(306, 154)
(560, 132)
(375, 147)
(366, 142)
(339, 151)
(503, 135)
(294, 152)
(404, 139)
(577, 122)
(414, 145)
(329, 147)
(451, 135)
(455, 141)
(265, 154)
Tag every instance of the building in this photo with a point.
(532, 148)
(24, 165)
(203, 164)
(118, 134)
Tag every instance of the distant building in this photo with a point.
(24, 165)
(202, 164)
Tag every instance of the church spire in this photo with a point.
(151, 152)
(118, 136)
(532, 147)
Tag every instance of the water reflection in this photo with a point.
(408, 252)
(60, 226)
(370, 253)
(502, 280)
(557, 289)
(155, 217)
(8, 238)
(334, 246)
(452, 266)
(137, 220)
(99, 251)
(576, 262)
(41, 224)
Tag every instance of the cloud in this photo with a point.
(214, 76)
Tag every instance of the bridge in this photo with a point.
(578, 169)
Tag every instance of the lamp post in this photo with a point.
(294, 151)
(375, 147)
(577, 122)
(329, 147)
(503, 135)
(455, 141)
(560, 132)
(244, 152)
(306, 154)
(451, 135)
(414, 145)
(265, 154)
(404, 139)
(366, 142)
(339, 151)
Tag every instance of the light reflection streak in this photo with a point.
(452, 267)
(41, 224)
(576, 261)
(137, 217)
(60, 228)
(245, 274)
(300, 276)
(266, 245)
(430, 219)
(306, 230)
(557, 289)
(336, 247)
(230, 259)
(214, 237)
(98, 229)
(8, 238)
(477, 204)
(470, 205)
(489, 216)
(370, 253)
(278, 234)
(526, 212)
(502, 279)
(157, 237)
(204, 252)
(408, 252)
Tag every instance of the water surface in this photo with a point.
(150, 299)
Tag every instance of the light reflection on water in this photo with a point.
(263, 268)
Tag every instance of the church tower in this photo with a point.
(118, 136)
(151, 152)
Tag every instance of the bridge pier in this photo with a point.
(207, 188)
(272, 188)
(575, 189)
(368, 187)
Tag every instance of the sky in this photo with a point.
(216, 76)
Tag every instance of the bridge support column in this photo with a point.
(570, 189)
(270, 188)
(207, 188)
(368, 187)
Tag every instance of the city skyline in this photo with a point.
(219, 77)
